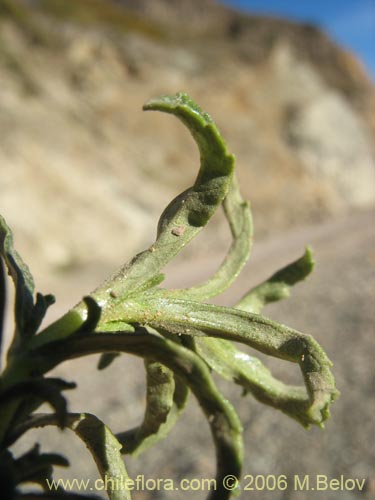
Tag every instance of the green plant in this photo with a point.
(180, 337)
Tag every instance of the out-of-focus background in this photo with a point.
(85, 175)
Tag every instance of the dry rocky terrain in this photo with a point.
(78, 156)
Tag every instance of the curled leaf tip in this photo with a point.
(180, 100)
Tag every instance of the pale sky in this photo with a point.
(349, 22)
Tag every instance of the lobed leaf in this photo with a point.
(32, 392)
(27, 314)
(22, 278)
(36, 467)
(99, 440)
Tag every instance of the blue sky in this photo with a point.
(349, 22)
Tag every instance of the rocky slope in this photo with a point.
(84, 174)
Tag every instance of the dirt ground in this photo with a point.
(334, 305)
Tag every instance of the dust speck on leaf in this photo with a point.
(178, 231)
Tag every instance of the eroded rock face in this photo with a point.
(85, 175)
(333, 144)
(332, 140)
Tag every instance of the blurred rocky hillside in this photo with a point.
(85, 174)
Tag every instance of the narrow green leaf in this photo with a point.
(278, 286)
(42, 303)
(254, 377)
(106, 359)
(22, 278)
(166, 399)
(2, 304)
(238, 214)
(105, 450)
(160, 390)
